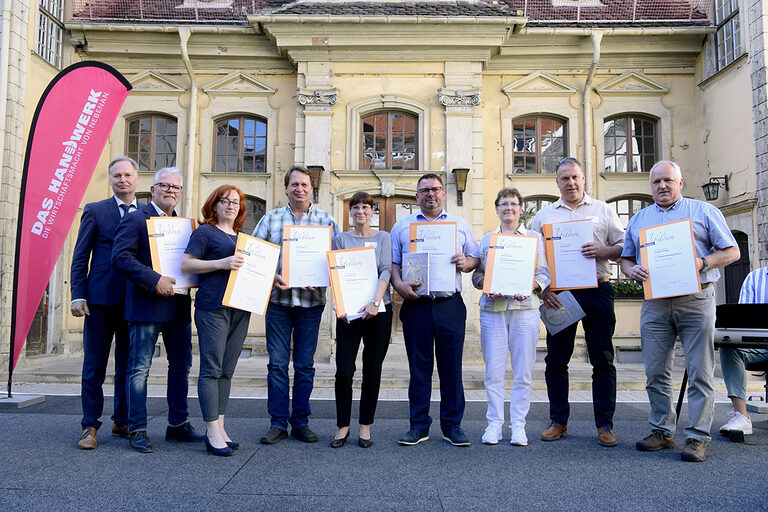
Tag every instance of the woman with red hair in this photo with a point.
(221, 330)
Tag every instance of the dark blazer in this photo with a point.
(100, 284)
(131, 257)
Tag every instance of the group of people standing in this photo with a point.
(121, 296)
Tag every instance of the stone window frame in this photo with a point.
(241, 117)
(50, 31)
(629, 116)
(728, 30)
(360, 109)
(152, 153)
(538, 117)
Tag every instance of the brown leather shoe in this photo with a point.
(121, 431)
(606, 438)
(694, 451)
(88, 439)
(554, 432)
(658, 440)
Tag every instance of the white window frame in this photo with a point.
(50, 31)
(728, 40)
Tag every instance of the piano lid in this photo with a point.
(741, 316)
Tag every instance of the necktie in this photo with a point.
(126, 208)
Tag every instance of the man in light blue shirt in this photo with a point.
(692, 317)
(732, 360)
(433, 326)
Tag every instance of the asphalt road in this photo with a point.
(41, 468)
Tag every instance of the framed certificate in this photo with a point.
(354, 278)
(168, 238)
(510, 266)
(304, 259)
(250, 286)
(439, 240)
(415, 268)
(669, 254)
(569, 268)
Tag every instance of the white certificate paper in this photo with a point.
(439, 240)
(304, 259)
(668, 252)
(569, 268)
(354, 278)
(249, 287)
(168, 238)
(510, 264)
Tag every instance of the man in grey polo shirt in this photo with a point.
(692, 317)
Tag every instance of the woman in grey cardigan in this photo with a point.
(374, 328)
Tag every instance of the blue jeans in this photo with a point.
(303, 323)
(732, 361)
(177, 338)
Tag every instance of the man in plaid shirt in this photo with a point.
(296, 310)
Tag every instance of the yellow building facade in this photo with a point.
(378, 93)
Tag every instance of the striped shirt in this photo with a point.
(270, 228)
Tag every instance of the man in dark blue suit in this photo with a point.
(98, 295)
(151, 307)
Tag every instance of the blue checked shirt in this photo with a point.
(270, 228)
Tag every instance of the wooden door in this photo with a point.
(38, 332)
(387, 211)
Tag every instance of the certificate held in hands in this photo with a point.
(439, 240)
(168, 238)
(304, 259)
(669, 254)
(250, 286)
(569, 268)
(511, 264)
(354, 278)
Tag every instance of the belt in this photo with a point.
(601, 280)
(436, 300)
(706, 285)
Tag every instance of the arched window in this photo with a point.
(241, 145)
(389, 140)
(630, 143)
(626, 207)
(531, 205)
(151, 141)
(539, 143)
(255, 210)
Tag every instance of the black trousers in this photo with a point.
(599, 323)
(375, 333)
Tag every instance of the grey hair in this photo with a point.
(165, 171)
(670, 163)
(122, 158)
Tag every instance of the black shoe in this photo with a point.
(183, 433)
(221, 452)
(364, 443)
(140, 441)
(413, 437)
(338, 443)
(233, 445)
(304, 434)
(274, 435)
(456, 436)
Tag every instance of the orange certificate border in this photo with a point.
(285, 275)
(154, 251)
(242, 239)
(414, 245)
(647, 288)
(549, 249)
(338, 296)
(489, 260)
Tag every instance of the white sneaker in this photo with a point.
(518, 435)
(492, 434)
(737, 422)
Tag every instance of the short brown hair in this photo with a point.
(361, 197)
(297, 168)
(209, 208)
(508, 192)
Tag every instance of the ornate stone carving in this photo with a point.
(388, 188)
(459, 97)
(317, 97)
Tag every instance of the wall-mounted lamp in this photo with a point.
(461, 183)
(315, 174)
(711, 188)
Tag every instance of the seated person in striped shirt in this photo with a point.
(732, 360)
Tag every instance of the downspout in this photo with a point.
(586, 107)
(5, 51)
(189, 160)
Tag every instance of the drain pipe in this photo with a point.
(5, 52)
(184, 33)
(586, 108)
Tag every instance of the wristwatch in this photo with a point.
(377, 304)
(704, 264)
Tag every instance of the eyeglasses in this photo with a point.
(427, 190)
(508, 205)
(165, 187)
(227, 202)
